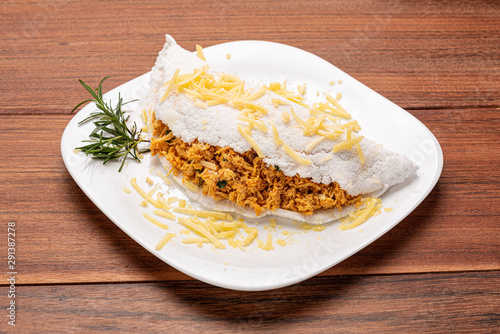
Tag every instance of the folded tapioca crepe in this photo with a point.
(261, 150)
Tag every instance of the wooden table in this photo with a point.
(437, 271)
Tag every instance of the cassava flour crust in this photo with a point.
(217, 126)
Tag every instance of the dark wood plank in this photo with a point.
(430, 303)
(417, 53)
(60, 231)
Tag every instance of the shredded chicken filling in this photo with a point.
(244, 179)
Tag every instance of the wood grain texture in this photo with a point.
(455, 229)
(436, 271)
(416, 53)
(349, 304)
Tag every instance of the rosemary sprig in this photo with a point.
(111, 139)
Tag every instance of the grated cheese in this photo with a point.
(285, 117)
(191, 186)
(198, 241)
(281, 242)
(301, 89)
(339, 109)
(360, 153)
(250, 140)
(170, 85)
(295, 156)
(316, 228)
(313, 143)
(209, 165)
(325, 159)
(254, 123)
(276, 136)
(203, 231)
(164, 214)
(171, 200)
(268, 245)
(200, 104)
(347, 144)
(201, 213)
(252, 106)
(372, 205)
(252, 234)
(279, 101)
(147, 197)
(199, 52)
(163, 177)
(154, 221)
(298, 119)
(164, 240)
(152, 191)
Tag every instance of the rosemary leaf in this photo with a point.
(111, 139)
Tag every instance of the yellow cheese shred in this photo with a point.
(372, 205)
(338, 108)
(285, 117)
(298, 119)
(253, 122)
(148, 198)
(295, 156)
(164, 240)
(360, 153)
(191, 186)
(209, 165)
(347, 144)
(170, 85)
(198, 241)
(201, 213)
(279, 101)
(200, 104)
(316, 228)
(313, 143)
(154, 221)
(276, 136)
(164, 214)
(281, 242)
(253, 106)
(250, 140)
(250, 237)
(203, 231)
(268, 245)
(163, 177)
(199, 52)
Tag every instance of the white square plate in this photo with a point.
(308, 253)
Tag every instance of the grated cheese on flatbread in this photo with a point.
(220, 124)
